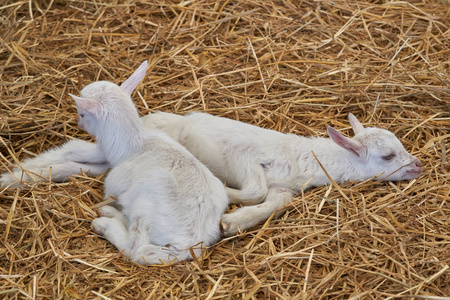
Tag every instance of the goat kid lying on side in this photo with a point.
(169, 200)
(264, 169)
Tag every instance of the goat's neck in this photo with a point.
(339, 163)
(121, 140)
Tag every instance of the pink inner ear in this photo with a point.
(88, 105)
(351, 145)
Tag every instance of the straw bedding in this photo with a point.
(292, 66)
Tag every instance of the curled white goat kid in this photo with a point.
(169, 201)
(262, 168)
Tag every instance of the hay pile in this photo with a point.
(293, 66)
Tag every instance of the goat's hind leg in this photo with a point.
(112, 212)
(115, 231)
(249, 216)
(64, 161)
(154, 254)
(253, 189)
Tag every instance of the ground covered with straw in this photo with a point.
(292, 66)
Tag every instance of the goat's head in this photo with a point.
(378, 152)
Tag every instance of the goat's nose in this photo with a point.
(418, 164)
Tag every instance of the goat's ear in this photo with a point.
(131, 83)
(356, 125)
(351, 145)
(88, 105)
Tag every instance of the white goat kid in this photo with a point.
(169, 200)
(265, 169)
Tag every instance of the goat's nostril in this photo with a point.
(418, 164)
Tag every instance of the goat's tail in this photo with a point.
(159, 119)
(153, 254)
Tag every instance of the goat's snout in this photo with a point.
(418, 164)
(416, 167)
(413, 170)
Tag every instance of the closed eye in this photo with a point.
(81, 115)
(388, 157)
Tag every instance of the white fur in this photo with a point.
(171, 204)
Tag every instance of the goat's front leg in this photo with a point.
(246, 217)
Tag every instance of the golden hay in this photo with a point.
(293, 66)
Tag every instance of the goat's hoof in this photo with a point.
(108, 212)
(100, 225)
(7, 180)
(228, 229)
(224, 226)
